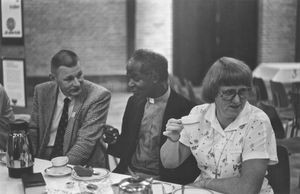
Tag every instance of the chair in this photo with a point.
(295, 99)
(261, 91)
(280, 97)
(176, 84)
(282, 103)
(274, 118)
(191, 93)
(279, 174)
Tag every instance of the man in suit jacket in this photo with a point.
(6, 116)
(87, 112)
(144, 121)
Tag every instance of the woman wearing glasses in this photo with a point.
(232, 141)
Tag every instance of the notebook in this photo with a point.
(34, 183)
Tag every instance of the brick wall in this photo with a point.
(154, 27)
(277, 30)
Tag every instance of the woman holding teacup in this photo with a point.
(232, 141)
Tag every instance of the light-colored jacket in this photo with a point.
(84, 127)
(6, 115)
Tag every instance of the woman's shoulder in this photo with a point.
(203, 108)
(257, 115)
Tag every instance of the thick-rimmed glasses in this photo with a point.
(229, 94)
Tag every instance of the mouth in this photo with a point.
(75, 90)
(235, 106)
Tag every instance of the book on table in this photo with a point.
(34, 183)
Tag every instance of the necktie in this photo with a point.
(59, 139)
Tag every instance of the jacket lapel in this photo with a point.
(79, 100)
(49, 103)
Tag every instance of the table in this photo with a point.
(279, 72)
(14, 186)
(285, 73)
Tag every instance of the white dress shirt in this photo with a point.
(57, 114)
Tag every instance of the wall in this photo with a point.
(94, 29)
(277, 30)
(154, 27)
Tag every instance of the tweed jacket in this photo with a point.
(6, 115)
(124, 148)
(84, 127)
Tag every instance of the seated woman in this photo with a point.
(233, 141)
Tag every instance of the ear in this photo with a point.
(51, 77)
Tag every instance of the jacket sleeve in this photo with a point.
(34, 122)
(6, 115)
(92, 119)
(117, 148)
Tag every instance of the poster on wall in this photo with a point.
(12, 22)
(13, 80)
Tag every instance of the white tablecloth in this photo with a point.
(279, 72)
(56, 185)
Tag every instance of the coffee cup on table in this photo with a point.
(60, 161)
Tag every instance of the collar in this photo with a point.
(163, 98)
(238, 123)
(61, 95)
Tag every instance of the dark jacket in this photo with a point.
(177, 106)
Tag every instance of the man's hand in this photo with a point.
(110, 134)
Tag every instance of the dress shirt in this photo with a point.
(146, 157)
(57, 115)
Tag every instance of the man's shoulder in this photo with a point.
(94, 90)
(45, 85)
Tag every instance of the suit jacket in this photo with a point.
(84, 127)
(6, 116)
(124, 148)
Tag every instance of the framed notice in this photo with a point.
(13, 80)
(12, 22)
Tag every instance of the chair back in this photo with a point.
(260, 89)
(274, 118)
(280, 97)
(295, 99)
(279, 174)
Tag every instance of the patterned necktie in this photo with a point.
(63, 122)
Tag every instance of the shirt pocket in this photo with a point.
(234, 155)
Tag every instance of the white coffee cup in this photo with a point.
(190, 121)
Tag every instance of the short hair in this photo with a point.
(151, 61)
(64, 58)
(225, 71)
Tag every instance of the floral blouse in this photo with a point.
(219, 153)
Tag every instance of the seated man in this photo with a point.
(69, 113)
(147, 111)
(6, 115)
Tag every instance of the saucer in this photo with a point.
(193, 190)
(161, 187)
(58, 171)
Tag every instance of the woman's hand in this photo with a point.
(173, 129)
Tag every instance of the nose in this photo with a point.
(131, 83)
(236, 98)
(76, 81)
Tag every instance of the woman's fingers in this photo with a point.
(173, 129)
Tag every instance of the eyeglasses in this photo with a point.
(229, 94)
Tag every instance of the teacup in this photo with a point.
(59, 161)
(190, 121)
